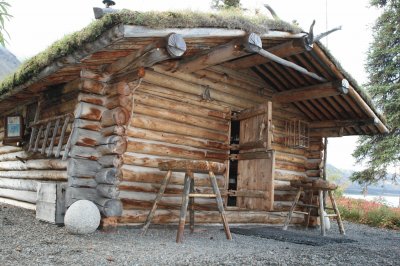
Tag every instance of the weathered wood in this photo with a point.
(109, 207)
(103, 100)
(74, 181)
(60, 142)
(172, 216)
(283, 50)
(35, 174)
(19, 204)
(50, 204)
(113, 145)
(39, 134)
(34, 130)
(111, 176)
(111, 161)
(162, 125)
(171, 115)
(46, 135)
(187, 87)
(90, 153)
(95, 75)
(40, 164)
(87, 124)
(85, 137)
(89, 111)
(53, 138)
(312, 92)
(343, 123)
(93, 86)
(219, 54)
(19, 184)
(166, 150)
(113, 130)
(82, 167)
(195, 166)
(108, 191)
(26, 196)
(117, 116)
(149, 175)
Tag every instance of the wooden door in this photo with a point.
(255, 181)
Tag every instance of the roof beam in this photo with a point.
(286, 49)
(222, 53)
(343, 123)
(312, 92)
(171, 47)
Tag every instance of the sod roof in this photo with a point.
(180, 19)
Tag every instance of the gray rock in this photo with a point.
(82, 217)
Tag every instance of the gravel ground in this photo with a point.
(26, 241)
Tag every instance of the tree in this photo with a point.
(382, 152)
(4, 15)
(225, 4)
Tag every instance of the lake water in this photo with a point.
(392, 201)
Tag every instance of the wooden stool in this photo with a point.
(190, 167)
(320, 186)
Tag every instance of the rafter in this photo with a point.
(344, 123)
(312, 92)
(236, 48)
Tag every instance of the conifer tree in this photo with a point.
(4, 15)
(382, 152)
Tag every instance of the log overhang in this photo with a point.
(124, 49)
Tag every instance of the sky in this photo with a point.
(37, 24)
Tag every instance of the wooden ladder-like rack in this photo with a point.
(42, 128)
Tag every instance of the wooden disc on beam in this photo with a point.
(176, 45)
(253, 43)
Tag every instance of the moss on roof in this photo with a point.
(181, 19)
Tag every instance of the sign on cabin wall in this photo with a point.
(14, 129)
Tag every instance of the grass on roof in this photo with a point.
(181, 19)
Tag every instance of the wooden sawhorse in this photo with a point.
(190, 167)
(320, 186)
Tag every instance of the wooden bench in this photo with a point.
(320, 186)
(188, 196)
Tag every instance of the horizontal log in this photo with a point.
(171, 151)
(19, 184)
(171, 115)
(280, 185)
(9, 149)
(149, 175)
(95, 75)
(183, 97)
(88, 182)
(83, 152)
(17, 203)
(94, 86)
(83, 168)
(178, 105)
(26, 196)
(138, 159)
(54, 175)
(162, 125)
(171, 201)
(84, 137)
(172, 216)
(188, 87)
(109, 207)
(287, 157)
(176, 139)
(312, 92)
(288, 175)
(41, 164)
(155, 187)
(231, 90)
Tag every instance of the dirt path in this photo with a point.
(26, 241)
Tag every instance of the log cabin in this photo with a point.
(93, 115)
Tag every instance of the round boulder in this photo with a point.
(82, 217)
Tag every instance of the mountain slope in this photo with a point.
(8, 62)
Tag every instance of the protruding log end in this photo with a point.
(176, 45)
(117, 116)
(110, 207)
(110, 176)
(113, 145)
(253, 43)
(343, 86)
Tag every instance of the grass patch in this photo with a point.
(371, 213)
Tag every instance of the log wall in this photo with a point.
(20, 172)
(173, 119)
